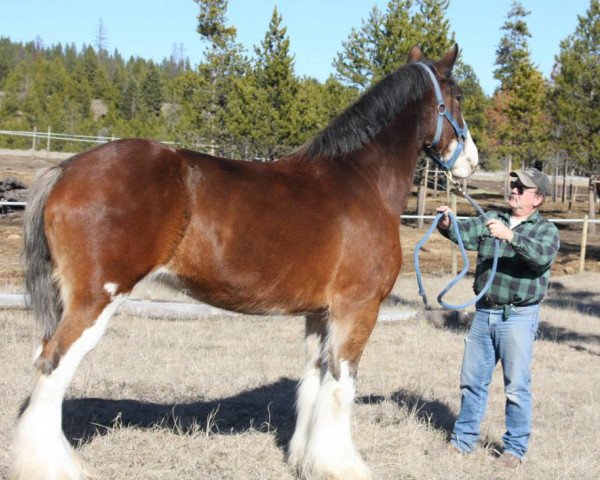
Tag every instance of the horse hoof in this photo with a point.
(355, 470)
(89, 472)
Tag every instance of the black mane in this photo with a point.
(364, 119)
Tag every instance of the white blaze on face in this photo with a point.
(467, 160)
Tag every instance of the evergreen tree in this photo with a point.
(262, 114)
(379, 46)
(151, 91)
(384, 39)
(435, 35)
(8, 57)
(275, 77)
(521, 125)
(576, 95)
(474, 104)
(318, 104)
(513, 49)
(224, 62)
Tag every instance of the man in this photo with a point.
(507, 317)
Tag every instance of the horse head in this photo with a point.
(448, 141)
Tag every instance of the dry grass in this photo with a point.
(206, 399)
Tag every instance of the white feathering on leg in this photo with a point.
(330, 452)
(40, 449)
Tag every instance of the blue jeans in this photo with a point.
(492, 338)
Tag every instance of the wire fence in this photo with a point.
(49, 136)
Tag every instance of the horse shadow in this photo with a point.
(268, 408)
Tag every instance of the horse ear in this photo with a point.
(444, 65)
(415, 54)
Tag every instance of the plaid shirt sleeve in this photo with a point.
(470, 230)
(537, 247)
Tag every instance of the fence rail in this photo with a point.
(48, 136)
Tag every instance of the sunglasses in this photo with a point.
(520, 187)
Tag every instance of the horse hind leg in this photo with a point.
(308, 387)
(40, 450)
(330, 452)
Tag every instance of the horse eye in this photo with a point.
(459, 98)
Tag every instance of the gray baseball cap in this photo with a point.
(533, 178)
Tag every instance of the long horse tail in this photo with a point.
(41, 286)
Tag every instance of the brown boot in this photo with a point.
(453, 449)
(508, 460)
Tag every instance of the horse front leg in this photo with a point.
(308, 388)
(330, 452)
(40, 450)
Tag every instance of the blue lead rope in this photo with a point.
(463, 252)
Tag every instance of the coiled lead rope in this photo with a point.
(463, 252)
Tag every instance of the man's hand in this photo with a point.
(499, 230)
(444, 223)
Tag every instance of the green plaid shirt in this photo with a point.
(523, 265)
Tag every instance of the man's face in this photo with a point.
(523, 200)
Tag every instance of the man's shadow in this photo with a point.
(430, 412)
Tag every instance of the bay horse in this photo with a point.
(314, 233)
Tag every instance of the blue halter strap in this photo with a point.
(443, 113)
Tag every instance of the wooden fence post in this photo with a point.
(583, 244)
(564, 184)
(420, 205)
(508, 168)
(435, 182)
(454, 248)
(571, 193)
(48, 141)
(33, 144)
(592, 204)
(555, 180)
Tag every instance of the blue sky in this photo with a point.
(316, 27)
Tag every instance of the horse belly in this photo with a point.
(249, 280)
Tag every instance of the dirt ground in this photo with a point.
(434, 259)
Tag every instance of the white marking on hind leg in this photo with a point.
(40, 449)
(330, 452)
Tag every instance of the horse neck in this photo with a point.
(390, 159)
